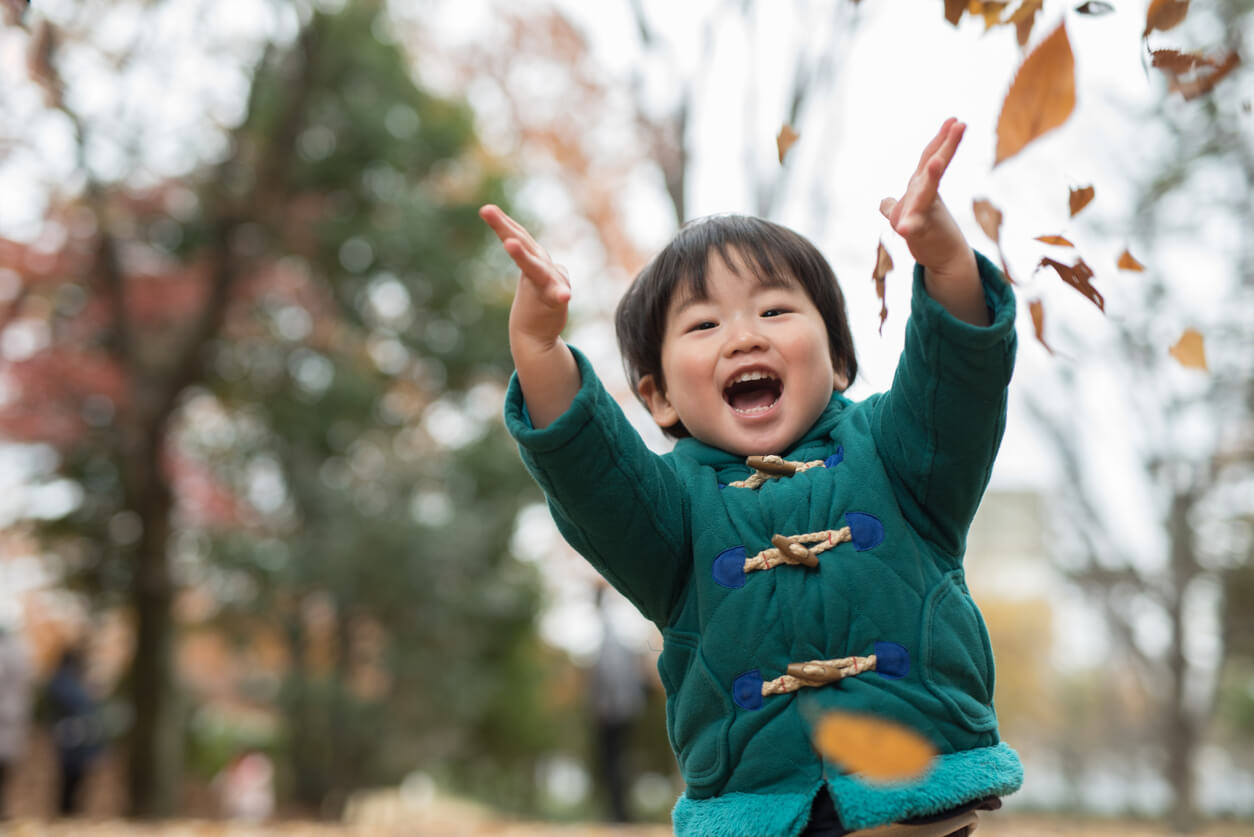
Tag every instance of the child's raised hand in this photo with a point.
(540, 303)
(932, 234)
(920, 216)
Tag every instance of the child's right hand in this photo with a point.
(538, 314)
(546, 369)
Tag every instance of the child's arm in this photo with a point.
(934, 239)
(546, 369)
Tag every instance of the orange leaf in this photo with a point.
(1175, 61)
(1126, 262)
(954, 10)
(1041, 97)
(883, 264)
(1190, 350)
(1037, 308)
(1023, 18)
(785, 139)
(991, 12)
(1165, 14)
(1205, 76)
(1078, 276)
(989, 219)
(1056, 240)
(879, 750)
(1081, 198)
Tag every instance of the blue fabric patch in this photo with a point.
(836, 458)
(892, 660)
(729, 568)
(865, 530)
(747, 690)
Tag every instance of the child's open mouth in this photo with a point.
(753, 392)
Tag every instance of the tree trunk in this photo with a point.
(153, 755)
(1181, 731)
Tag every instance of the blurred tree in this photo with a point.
(277, 376)
(1179, 614)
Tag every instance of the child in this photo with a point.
(843, 547)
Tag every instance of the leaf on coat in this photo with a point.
(1190, 350)
(1201, 73)
(954, 10)
(1041, 97)
(1037, 309)
(989, 218)
(1056, 240)
(883, 264)
(1094, 8)
(1081, 198)
(1078, 276)
(877, 749)
(785, 140)
(1024, 18)
(1165, 14)
(1127, 262)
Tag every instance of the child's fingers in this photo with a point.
(936, 142)
(548, 279)
(507, 228)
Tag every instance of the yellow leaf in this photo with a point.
(1041, 97)
(1165, 14)
(1081, 198)
(1037, 308)
(1190, 350)
(1023, 19)
(1056, 240)
(1126, 262)
(785, 139)
(880, 750)
(989, 219)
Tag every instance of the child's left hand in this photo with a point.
(921, 217)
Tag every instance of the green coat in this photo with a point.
(905, 470)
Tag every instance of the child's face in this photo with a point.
(747, 369)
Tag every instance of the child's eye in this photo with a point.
(702, 326)
(774, 312)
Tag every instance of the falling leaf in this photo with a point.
(1023, 19)
(990, 11)
(1165, 14)
(1056, 240)
(989, 219)
(1175, 61)
(879, 750)
(1126, 262)
(1081, 198)
(1094, 8)
(787, 136)
(1205, 74)
(883, 264)
(1190, 350)
(1037, 309)
(1078, 276)
(954, 10)
(1041, 97)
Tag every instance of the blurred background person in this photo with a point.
(76, 729)
(245, 787)
(618, 700)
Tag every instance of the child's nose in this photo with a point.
(744, 339)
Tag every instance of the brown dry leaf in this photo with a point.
(1056, 240)
(954, 10)
(989, 219)
(1081, 198)
(1024, 18)
(990, 11)
(1175, 61)
(785, 140)
(878, 750)
(1204, 78)
(1165, 14)
(1037, 309)
(1041, 97)
(1078, 276)
(1126, 262)
(883, 264)
(1190, 350)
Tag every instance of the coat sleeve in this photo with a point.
(939, 427)
(614, 500)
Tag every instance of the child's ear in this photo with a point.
(663, 413)
(840, 381)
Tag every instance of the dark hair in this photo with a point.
(773, 253)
